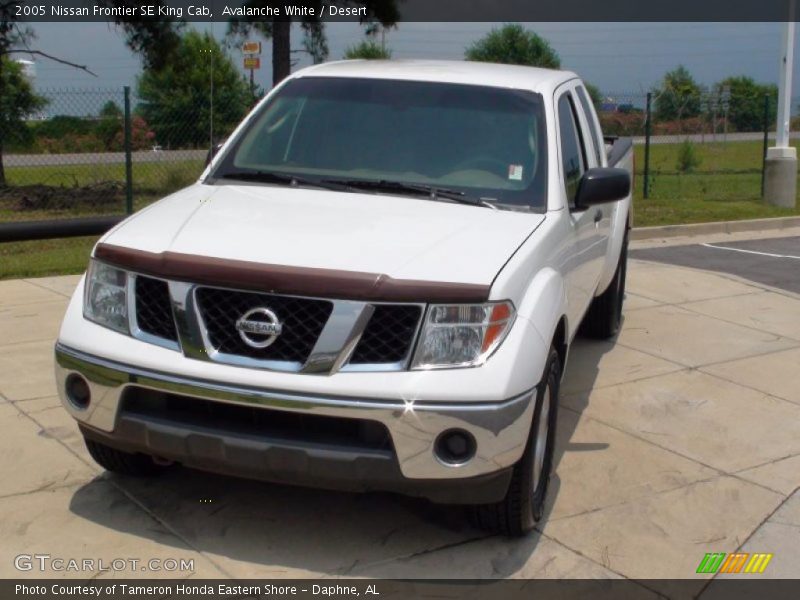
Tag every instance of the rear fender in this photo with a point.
(619, 223)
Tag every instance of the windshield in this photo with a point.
(486, 143)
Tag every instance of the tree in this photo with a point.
(594, 94)
(18, 102)
(514, 45)
(368, 49)
(315, 42)
(110, 123)
(152, 38)
(17, 98)
(678, 96)
(176, 100)
(279, 28)
(746, 104)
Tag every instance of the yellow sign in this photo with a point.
(251, 48)
(252, 62)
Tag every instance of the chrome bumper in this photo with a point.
(500, 429)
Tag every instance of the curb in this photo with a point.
(693, 229)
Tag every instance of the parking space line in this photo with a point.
(771, 255)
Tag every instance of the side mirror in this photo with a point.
(212, 152)
(599, 186)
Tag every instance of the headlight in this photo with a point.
(105, 301)
(462, 335)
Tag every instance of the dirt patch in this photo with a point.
(46, 197)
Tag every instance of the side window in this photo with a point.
(588, 110)
(573, 162)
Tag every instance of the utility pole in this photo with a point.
(780, 172)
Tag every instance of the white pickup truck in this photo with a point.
(373, 286)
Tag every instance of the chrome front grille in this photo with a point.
(303, 320)
(154, 308)
(318, 335)
(389, 334)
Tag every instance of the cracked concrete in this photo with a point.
(681, 438)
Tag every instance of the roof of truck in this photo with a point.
(445, 71)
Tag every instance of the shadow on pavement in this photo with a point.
(579, 379)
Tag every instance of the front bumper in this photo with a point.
(409, 465)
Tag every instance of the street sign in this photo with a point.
(252, 62)
(251, 48)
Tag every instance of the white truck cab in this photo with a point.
(373, 286)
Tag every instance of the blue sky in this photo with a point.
(617, 57)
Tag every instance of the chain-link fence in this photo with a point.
(96, 152)
(693, 145)
(65, 160)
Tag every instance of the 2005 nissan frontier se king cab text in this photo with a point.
(373, 286)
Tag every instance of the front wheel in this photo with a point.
(524, 503)
(124, 463)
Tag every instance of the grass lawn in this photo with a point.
(66, 256)
(146, 175)
(724, 186)
(151, 182)
(45, 257)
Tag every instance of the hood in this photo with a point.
(404, 238)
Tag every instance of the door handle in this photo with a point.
(598, 216)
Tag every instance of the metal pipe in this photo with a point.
(56, 228)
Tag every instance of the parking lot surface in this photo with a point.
(773, 261)
(681, 438)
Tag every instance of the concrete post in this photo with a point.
(780, 169)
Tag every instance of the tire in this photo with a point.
(517, 513)
(604, 316)
(124, 463)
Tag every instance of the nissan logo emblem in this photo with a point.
(259, 327)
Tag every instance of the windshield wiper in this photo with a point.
(282, 178)
(432, 192)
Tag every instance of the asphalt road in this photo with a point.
(149, 156)
(101, 158)
(774, 262)
(708, 138)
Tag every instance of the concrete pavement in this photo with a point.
(681, 438)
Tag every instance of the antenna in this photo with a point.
(211, 91)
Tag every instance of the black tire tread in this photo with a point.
(124, 463)
(507, 517)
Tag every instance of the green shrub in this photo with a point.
(688, 160)
(368, 50)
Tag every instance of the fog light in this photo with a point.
(78, 391)
(455, 447)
